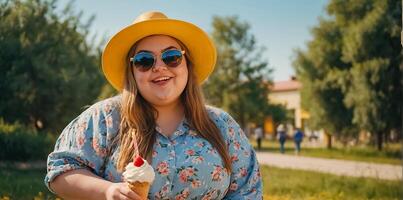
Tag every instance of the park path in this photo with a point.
(332, 166)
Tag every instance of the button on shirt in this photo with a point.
(186, 165)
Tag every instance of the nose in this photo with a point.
(159, 65)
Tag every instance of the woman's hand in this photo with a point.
(120, 191)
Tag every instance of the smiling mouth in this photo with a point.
(162, 80)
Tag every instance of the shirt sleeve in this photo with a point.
(245, 181)
(84, 142)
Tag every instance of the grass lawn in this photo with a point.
(23, 184)
(390, 155)
(279, 184)
(286, 184)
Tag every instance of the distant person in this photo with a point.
(298, 136)
(281, 136)
(259, 137)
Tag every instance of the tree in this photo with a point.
(48, 69)
(371, 45)
(366, 67)
(240, 82)
(321, 94)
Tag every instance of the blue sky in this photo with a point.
(279, 25)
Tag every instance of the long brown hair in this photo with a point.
(138, 117)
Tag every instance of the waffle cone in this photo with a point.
(140, 188)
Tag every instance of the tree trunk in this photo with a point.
(379, 141)
(328, 140)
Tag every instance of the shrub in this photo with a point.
(20, 143)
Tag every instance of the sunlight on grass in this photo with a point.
(287, 184)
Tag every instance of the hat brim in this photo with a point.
(202, 49)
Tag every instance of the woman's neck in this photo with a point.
(169, 117)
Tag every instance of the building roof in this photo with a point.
(289, 85)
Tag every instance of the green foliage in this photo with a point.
(371, 45)
(19, 143)
(48, 68)
(321, 94)
(279, 113)
(350, 70)
(240, 81)
(107, 91)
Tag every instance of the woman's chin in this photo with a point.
(164, 100)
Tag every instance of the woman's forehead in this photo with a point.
(156, 43)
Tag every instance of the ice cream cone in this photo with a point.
(140, 188)
(139, 175)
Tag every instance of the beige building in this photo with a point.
(287, 93)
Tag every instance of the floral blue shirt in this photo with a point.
(186, 166)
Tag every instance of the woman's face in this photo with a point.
(161, 85)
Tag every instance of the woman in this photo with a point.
(196, 151)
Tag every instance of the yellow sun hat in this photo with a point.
(202, 50)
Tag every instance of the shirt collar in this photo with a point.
(183, 127)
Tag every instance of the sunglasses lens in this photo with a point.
(172, 58)
(143, 61)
